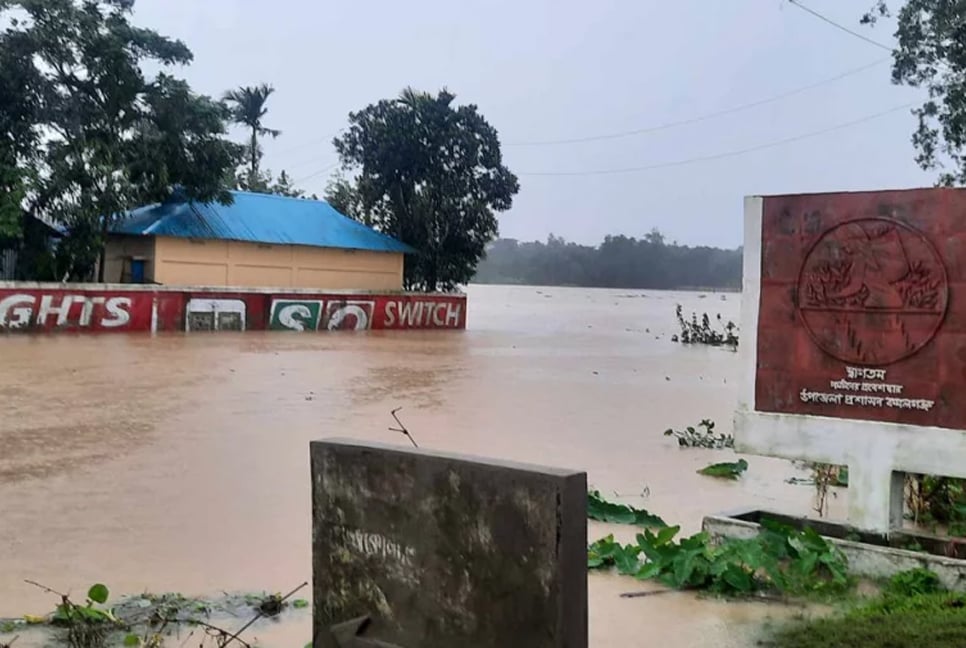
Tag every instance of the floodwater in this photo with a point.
(180, 462)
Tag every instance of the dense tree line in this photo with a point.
(618, 262)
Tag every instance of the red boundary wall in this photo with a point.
(127, 308)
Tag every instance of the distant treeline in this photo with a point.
(618, 262)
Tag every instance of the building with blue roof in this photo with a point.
(260, 240)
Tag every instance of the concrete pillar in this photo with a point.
(875, 498)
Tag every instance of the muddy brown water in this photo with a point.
(180, 462)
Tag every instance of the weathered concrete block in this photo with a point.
(445, 551)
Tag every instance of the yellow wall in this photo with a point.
(120, 249)
(179, 261)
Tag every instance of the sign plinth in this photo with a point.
(854, 338)
(415, 549)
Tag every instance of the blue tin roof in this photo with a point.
(258, 218)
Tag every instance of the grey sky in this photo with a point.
(553, 69)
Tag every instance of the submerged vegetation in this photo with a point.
(602, 510)
(695, 331)
(703, 436)
(911, 611)
(725, 470)
(147, 620)
(780, 558)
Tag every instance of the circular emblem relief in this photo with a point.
(872, 291)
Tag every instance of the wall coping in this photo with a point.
(38, 285)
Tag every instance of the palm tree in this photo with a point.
(247, 106)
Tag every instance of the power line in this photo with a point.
(705, 117)
(727, 154)
(305, 144)
(317, 173)
(840, 26)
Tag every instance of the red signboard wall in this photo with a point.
(862, 311)
(36, 307)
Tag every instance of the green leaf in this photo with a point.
(738, 579)
(601, 553)
(725, 470)
(697, 541)
(300, 603)
(602, 510)
(684, 568)
(808, 562)
(98, 593)
(648, 571)
(627, 562)
(132, 640)
(666, 534)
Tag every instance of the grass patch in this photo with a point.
(933, 620)
(911, 612)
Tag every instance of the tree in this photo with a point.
(341, 194)
(107, 139)
(247, 106)
(265, 182)
(284, 186)
(431, 175)
(19, 113)
(932, 54)
(12, 195)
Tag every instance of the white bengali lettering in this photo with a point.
(865, 372)
(867, 399)
(844, 385)
(821, 397)
(379, 546)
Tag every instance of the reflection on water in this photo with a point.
(180, 463)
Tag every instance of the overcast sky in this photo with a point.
(561, 69)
